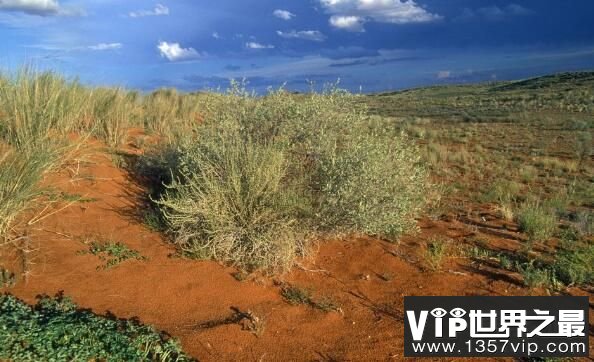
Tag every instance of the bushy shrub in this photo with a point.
(371, 184)
(576, 266)
(538, 222)
(231, 203)
(263, 172)
(538, 276)
(55, 330)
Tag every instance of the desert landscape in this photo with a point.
(320, 180)
(238, 226)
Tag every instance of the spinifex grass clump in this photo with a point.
(55, 330)
(262, 174)
(20, 174)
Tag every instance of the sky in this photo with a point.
(366, 45)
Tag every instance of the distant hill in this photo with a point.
(569, 93)
(571, 79)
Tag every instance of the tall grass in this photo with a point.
(36, 106)
(20, 174)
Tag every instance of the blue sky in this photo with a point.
(372, 45)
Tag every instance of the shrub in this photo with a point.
(537, 222)
(372, 185)
(536, 276)
(231, 204)
(263, 172)
(55, 329)
(576, 266)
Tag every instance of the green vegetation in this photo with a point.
(576, 267)
(535, 276)
(491, 102)
(56, 330)
(296, 296)
(7, 278)
(435, 253)
(538, 222)
(112, 253)
(266, 173)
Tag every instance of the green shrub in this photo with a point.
(538, 276)
(576, 266)
(537, 222)
(231, 203)
(372, 185)
(56, 330)
(263, 172)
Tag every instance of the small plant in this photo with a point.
(295, 296)
(584, 223)
(7, 278)
(537, 222)
(76, 198)
(55, 329)
(112, 253)
(435, 253)
(154, 219)
(576, 267)
(506, 262)
(326, 304)
(252, 322)
(240, 276)
(506, 211)
(386, 277)
(537, 276)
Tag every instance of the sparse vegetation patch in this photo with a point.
(112, 253)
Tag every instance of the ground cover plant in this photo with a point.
(55, 329)
(112, 253)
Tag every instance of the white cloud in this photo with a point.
(283, 14)
(352, 14)
(38, 7)
(349, 23)
(313, 35)
(444, 74)
(159, 10)
(216, 35)
(174, 52)
(106, 46)
(254, 45)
